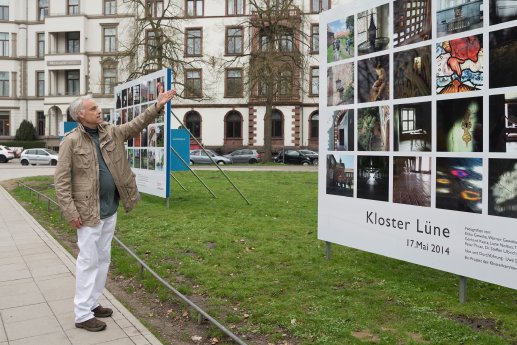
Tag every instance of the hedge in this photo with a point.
(25, 144)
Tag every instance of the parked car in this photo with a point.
(313, 155)
(294, 157)
(38, 157)
(244, 156)
(200, 157)
(6, 154)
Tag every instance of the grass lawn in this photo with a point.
(262, 269)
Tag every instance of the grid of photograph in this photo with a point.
(421, 104)
(146, 151)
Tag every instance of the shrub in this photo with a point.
(26, 132)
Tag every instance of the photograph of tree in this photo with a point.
(340, 84)
(373, 129)
(372, 30)
(340, 174)
(458, 16)
(459, 125)
(412, 127)
(501, 11)
(373, 79)
(340, 39)
(502, 181)
(412, 21)
(412, 180)
(341, 132)
(459, 65)
(503, 70)
(503, 123)
(459, 184)
(412, 73)
(373, 177)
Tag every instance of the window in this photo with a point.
(40, 120)
(42, 9)
(110, 40)
(40, 84)
(193, 123)
(285, 43)
(4, 44)
(363, 20)
(234, 7)
(234, 41)
(110, 7)
(315, 38)
(319, 5)
(73, 7)
(72, 83)
(4, 9)
(152, 43)
(194, 43)
(264, 42)
(193, 83)
(233, 83)
(109, 79)
(72, 42)
(314, 125)
(408, 119)
(195, 8)
(411, 22)
(233, 125)
(41, 44)
(277, 130)
(154, 8)
(286, 83)
(315, 81)
(4, 84)
(4, 122)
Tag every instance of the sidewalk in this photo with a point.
(37, 288)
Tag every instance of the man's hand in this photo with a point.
(164, 97)
(76, 223)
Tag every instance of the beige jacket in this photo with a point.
(77, 173)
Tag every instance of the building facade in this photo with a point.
(56, 50)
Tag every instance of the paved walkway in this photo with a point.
(37, 284)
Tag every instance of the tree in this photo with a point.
(26, 131)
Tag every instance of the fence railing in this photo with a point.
(143, 266)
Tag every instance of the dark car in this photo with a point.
(294, 157)
(244, 156)
(313, 155)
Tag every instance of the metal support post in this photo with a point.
(463, 289)
(327, 250)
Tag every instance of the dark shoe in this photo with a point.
(92, 325)
(100, 311)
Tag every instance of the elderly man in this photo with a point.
(92, 175)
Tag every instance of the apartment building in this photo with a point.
(56, 50)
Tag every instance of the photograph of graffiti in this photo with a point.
(341, 131)
(459, 184)
(372, 30)
(373, 129)
(412, 73)
(503, 123)
(412, 180)
(458, 16)
(340, 84)
(412, 21)
(340, 174)
(373, 177)
(340, 39)
(459, 65)
(502, 182)
(459, 125)
(373, 82)
(501, 11)
(503, 70)
(412, 127)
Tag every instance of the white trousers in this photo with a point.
(92, 266)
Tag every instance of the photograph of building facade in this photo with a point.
(55, 51)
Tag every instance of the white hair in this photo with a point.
(77, 106)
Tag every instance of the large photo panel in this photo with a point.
(418, 116)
